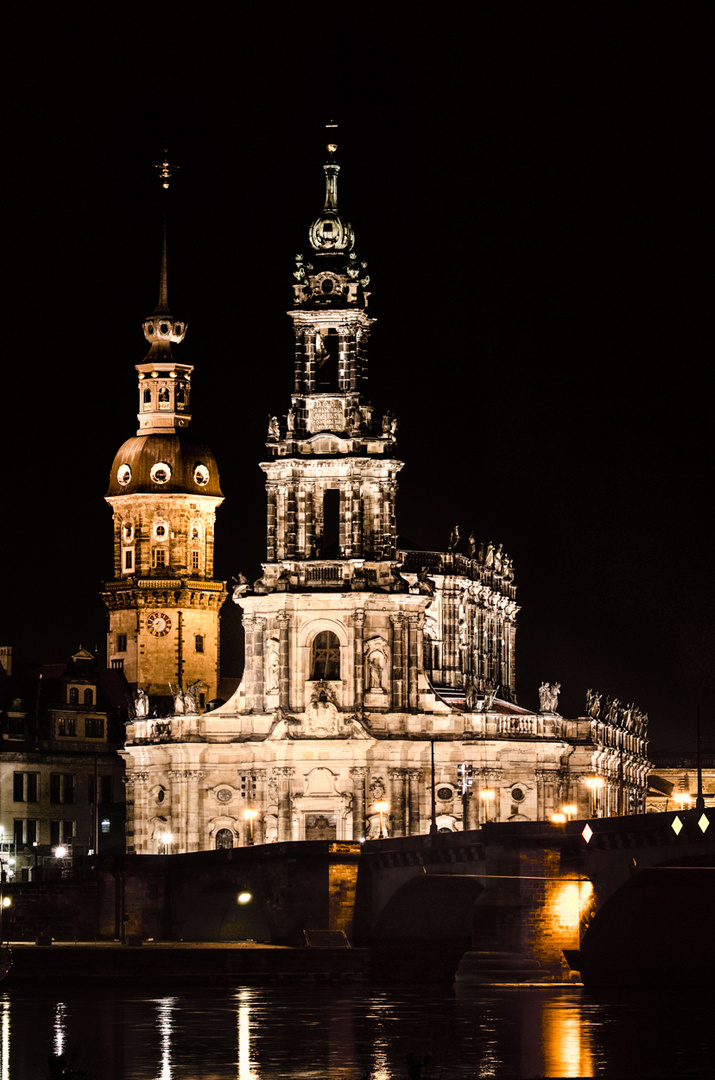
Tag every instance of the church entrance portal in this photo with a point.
(320, 827)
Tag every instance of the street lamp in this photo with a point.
(166, 840)
(570, 811)
(250, 816)
(684, 799)
(485, 796)
(594, 783)
(382, 807)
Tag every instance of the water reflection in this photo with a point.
(317, 1032)
(164, 1020)
(5, 1037)
(245, 1069)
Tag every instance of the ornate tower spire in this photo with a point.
(164, 386)
(164, 490)
(329, 232)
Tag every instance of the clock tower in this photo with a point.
(164, 488)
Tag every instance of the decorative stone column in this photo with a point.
(546, 786)
(193, 823)
(397, 801)
(358, 659)
(259, 664)
(397, 661)
(283, 621)
(259, 823)
(249, 622)
(358, 774)
(137, 812)
(413, 661)
(271, 520)
(178, 800)
(414, 800)
(283, 774)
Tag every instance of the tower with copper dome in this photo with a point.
(164, 488)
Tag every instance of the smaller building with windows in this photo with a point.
(61, 778)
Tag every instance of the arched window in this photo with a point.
(88, 697)
(224, 839)
(74, 695)
(326, 656)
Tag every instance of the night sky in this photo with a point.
(531, 187)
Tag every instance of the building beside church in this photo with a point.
(379, 693)
(61, 779)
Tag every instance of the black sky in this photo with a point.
(531, 187)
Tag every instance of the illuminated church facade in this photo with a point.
(379, 693)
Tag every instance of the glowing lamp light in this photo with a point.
(250, 815)
(244, 897)
(559, 819)
(684, 799)
(570, 810)
(166, 838)
(6, 901)
(60, 852)
(382, 807)
(595, 782)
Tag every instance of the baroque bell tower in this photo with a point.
(164, 488)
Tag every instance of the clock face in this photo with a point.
(158, 624)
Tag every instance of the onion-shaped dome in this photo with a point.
(164, 464)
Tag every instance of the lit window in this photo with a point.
(66, 725)
(73, 697)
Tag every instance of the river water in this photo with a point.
(351, 1032)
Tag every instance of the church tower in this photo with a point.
(164, 488)
(331, 531)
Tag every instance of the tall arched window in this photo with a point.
(224, 839)
(74, 696)
(326, 656)
(88, 697)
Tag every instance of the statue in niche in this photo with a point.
(375, 664)
(241, 587)
(453, 539)
(375, 667)
(549, 697)
(274, 428)
(141, 704)
(290, 421)
(272, 666)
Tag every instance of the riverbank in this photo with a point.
(185, 961)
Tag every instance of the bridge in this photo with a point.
(624, 899)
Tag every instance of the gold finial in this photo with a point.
(331, 126)
(167, 170)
